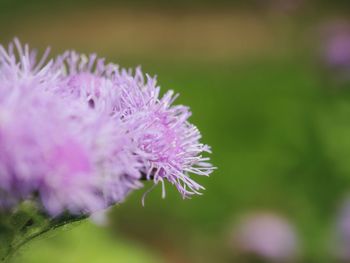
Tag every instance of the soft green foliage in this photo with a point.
(26, 224)
(18, 227)
(85, 243)
(279, 135)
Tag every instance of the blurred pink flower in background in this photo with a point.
(267, 236)
(341, 246)
(335, 45)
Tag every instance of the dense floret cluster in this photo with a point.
(78, 134)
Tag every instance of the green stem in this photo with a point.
(54, 224)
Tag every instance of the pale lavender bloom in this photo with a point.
(168, 145)
(59, 148)
(78, 134)
(267, 236)
(39, 153)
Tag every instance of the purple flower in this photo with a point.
(267, 236)
(78, 134)
(168, 145)
(74, 158)
(40, 154)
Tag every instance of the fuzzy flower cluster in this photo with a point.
(78, 134)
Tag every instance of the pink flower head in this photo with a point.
(74, 158)
(167, 144)
(40, 153)
(78, 134)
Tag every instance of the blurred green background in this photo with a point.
(252, 71)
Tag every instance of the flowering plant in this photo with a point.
(77, 135)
